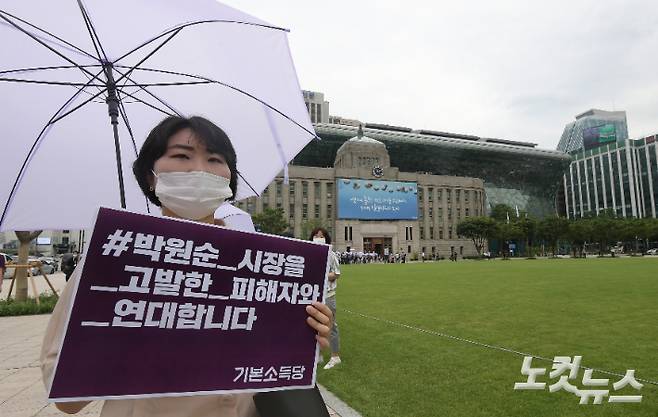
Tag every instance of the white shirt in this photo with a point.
(234, 218)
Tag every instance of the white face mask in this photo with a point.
(192, 195)
(319, 240)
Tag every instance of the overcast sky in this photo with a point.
(517, 70)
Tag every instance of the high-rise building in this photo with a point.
(317, 107)
(621, 176)
(592, 128)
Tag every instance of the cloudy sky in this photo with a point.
(517, 70)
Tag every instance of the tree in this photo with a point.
(309, 225)
(271, 221)
(478, 229)
(652, 229)
(502, 212)
(632, 230)
(21, 273)
(606, 229)
(528, 229)
(551, 230)
(505, 232)
(579, 232)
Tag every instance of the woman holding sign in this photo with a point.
(188, 167)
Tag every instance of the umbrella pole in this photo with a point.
(113, 111)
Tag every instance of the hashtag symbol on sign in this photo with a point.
(117, 242)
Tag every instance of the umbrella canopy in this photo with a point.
(69, 68)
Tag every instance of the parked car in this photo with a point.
(47, 264)
(653, 251)
(9, 271)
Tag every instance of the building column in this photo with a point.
(298, 208)
(589, 200)
(596, 188)
(453, 198)
(259, 204)
(323, 200)
(435, 221)
(573, 191)
(426, 215)
(611, 173)
(650, 177)
(621, 183)
(580, 190)
(285, 201)
(472, 205)
(605, 194)
(566, 195)
(631, 177)
(310, 200)
(639, 184)
(272, 195)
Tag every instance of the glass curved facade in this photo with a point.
(519, 176)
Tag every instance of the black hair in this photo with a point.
(327, 236)
(155, 145)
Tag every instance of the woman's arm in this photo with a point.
(334, 267)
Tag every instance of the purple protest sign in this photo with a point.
(172, 307)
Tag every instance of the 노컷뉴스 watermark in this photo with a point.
(562, 364)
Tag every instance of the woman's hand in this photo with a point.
(319, 318)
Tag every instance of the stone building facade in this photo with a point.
(311, 197)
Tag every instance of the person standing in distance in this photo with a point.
(320, 235)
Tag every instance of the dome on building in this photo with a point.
(360, 138)
(362, 150)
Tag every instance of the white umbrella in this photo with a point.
(65, 65)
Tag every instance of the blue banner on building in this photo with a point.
(377, 200)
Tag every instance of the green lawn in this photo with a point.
(605, 310)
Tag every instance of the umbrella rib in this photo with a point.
(185, 25)
(124, 116)
(150, 105)
(55, 67)
(21, 172)
(92, 32)
(39, 41)
(247, 182)
(48, 33)
(150, 54)
(135, 84)
(18, 80)
(147, 92)
(210, 80)
(92, 98)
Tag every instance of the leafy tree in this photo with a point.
(632, 230)
(501, 212)
(651, 229)
(271, 220)
(551, 230)
(309, 225)
(478, 229)
(528, 230)
(505, 232)
(605, 230)
(579, 232)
